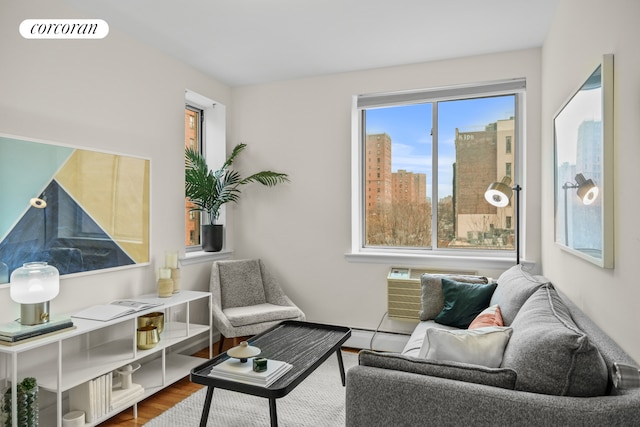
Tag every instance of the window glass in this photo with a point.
(426, 167)
(193, 139)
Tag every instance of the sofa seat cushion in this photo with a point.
(259, 313)
(481, 346)
(432, 301)
(515, 286)
(550, 353)
(496, 377)
(413, 346)
(463, 302)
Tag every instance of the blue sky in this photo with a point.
(410, 129)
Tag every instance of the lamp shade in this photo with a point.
(34, 282)
(587, 190)
(499, 192)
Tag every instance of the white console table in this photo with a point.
(62, 361)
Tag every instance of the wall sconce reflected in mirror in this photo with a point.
(587, 192)
(498, 194)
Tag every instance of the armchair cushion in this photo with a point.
(259, 313)
(245, 281)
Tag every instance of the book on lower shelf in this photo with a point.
(14, 332)
(92, 397)
(115, 309)
(235, 370)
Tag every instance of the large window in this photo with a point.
(426, 159)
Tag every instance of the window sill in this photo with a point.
(436, 260)
(197, 257)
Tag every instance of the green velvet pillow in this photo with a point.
(463, 302)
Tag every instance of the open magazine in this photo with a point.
(114, 309)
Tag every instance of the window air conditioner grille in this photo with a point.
(404, 293)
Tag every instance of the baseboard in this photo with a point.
(380, 341)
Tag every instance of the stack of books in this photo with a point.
(233, 369)
(93, 397)
(123, 397)
(14, 332)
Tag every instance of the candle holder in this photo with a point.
(165, 284)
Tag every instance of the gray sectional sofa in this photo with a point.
(555, 369)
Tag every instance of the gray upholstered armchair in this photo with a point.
(247, 299)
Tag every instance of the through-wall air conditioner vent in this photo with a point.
(404, 293)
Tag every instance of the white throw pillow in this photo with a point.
(481, 346)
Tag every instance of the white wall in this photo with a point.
(115, 95)
(584, 30)
(302, 229)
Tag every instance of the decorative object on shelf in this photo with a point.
(243, 351)
(73, 419)
(152, 319)
(584, 148)
(27, 404)
(33, 285)
(147, 337)
(126, 373)
(165, 284)
(171, 261)
(259, 364)
(498, 194)
(208, 190)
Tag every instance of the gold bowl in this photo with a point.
(152, 319)
(147, 337)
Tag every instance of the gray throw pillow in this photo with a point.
(550, 354)
(495, 377)
(432, 296)
(515, 286)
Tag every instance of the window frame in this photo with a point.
(443, 256)
(213, 141)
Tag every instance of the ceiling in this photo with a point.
(245, 42)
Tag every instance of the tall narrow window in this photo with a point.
(193, 139)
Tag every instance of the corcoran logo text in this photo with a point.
(64, 29)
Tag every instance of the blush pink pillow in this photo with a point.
(490, 316)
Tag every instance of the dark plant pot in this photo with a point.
(212, 237)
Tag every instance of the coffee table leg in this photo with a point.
(273, 413)
(341, 366)
(207, 407)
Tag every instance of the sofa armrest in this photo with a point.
(376, 396)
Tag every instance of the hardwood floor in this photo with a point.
(155, 405)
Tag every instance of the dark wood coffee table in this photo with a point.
(304, 345)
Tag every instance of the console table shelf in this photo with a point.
(62, 361)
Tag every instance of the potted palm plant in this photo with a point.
(208, 190)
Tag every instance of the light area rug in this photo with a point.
(318, 401)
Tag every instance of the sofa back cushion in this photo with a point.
(550, 354)
(496, 377)
(515, 286)
(432, 296)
